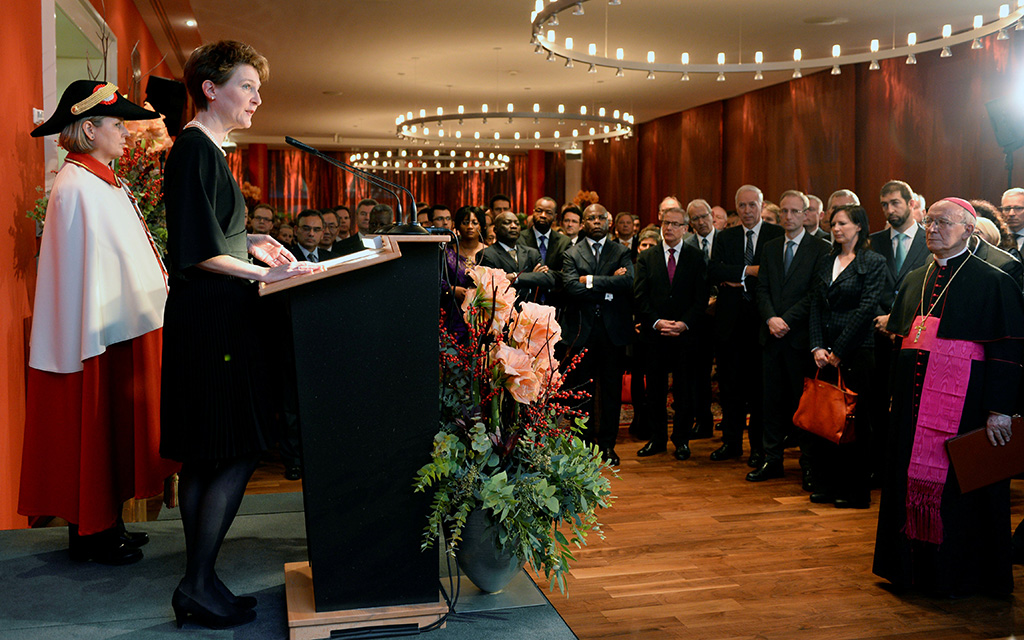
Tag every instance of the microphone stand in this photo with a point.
(412, 227)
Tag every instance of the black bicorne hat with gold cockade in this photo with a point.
(88, 98)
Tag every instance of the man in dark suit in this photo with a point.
(671, 295)
(522, 263)
(812, 219)
(903, 247)
(996, 257)
(789, 265)
(549, 243)
(702, 224)
(734, 269)
(309, 230)
(625, 233)
(1012, 207)
(598, 277)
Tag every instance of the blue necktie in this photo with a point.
(789, 256)
(543, 242)
(901, 251)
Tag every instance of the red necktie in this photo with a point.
(671, 264)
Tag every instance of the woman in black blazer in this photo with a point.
(843, 306)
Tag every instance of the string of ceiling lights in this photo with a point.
(590, 125)
(544, 19)
(427, 161)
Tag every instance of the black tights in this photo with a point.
(209, 493)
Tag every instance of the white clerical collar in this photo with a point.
(942, 261)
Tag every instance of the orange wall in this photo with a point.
(21, 169)
(126, 22)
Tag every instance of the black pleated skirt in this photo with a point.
(211, 404)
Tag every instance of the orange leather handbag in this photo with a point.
(826, 409)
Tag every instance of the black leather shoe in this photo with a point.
(105, 547)
(807, 481)
(293, 473)
(822, 497)
(682, 452)
(862, 501)
(756, 459)
(726, 451)
(767, 471)
(651, 449)
(134, 539)
(610, 455)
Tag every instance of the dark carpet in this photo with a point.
(43, 595)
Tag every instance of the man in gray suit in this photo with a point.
(521, 263)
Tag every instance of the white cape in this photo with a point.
(99, 280)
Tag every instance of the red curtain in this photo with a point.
(300, 181)
(923, 123)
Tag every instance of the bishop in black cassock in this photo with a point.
(960, 328)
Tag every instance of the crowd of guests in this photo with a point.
(763, 296)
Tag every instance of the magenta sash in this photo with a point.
(938, 419)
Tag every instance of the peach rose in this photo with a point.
(535, 330)
(517, 368)
(493, 295)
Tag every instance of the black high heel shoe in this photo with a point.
(242, 602)
(185, 608)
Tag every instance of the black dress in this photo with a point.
(211, 407)
(981, 305)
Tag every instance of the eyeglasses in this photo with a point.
(672, 224)
(942, 223)
(792, 211)
(263, 219)
(308, 228)
(1015, 209)
(332, 225)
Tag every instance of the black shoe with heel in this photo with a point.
(188, 610)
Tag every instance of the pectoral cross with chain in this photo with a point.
(921, 327)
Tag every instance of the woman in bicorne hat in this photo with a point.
(92, 425)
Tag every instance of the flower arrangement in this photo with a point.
(141, 167)
(584, 199)
(507, 442)
(252, 194)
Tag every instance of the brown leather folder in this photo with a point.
(978, 464)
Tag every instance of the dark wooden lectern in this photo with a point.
(365, 334)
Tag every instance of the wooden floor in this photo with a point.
(692, 550)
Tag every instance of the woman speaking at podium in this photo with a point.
(212, 414)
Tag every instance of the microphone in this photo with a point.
(412, 227)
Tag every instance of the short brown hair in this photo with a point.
(216, 62)
(73, 139)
